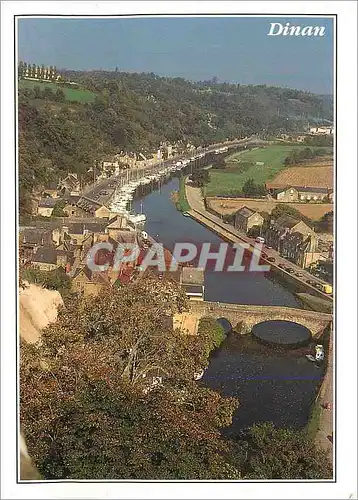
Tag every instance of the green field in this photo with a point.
(229, 181)
(79, 95)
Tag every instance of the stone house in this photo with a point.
(45, 206)
(294, 240)
(31, 239)
(93, 208)
(70, 185)
(303, 193)
(245, 219)
(49, 258)
(51, 190)
(192, 281)
(88, 282)
(118, 227)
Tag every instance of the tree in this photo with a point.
(326, 223)
(200, 178)
(48, 94)
(285, 209)
(60, 95)
(251, 189)
(56, 279)
(254, 231)
(266, 452)
(58, 209)
(86, 410)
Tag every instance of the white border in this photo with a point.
(346, 299)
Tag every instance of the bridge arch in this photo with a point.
(247, 316)
(226, 324)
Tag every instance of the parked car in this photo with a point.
(264, 255)
(282, 266)
(271, 259)
(299, 275)
(290, 270)
(310, 282)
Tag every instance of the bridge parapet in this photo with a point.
(250, 315)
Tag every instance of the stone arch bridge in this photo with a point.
(250, 315)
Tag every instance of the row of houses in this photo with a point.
(74, 204)
(291, 237)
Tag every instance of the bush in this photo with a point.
(266, 452)
(211, 335)
(52, 280)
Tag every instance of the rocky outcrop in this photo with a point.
(38, 307)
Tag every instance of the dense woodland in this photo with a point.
(138, 112)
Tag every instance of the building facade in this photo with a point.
(245, 219)
(294, 240)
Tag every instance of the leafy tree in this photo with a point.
(285, 209)
(251, 189)
(200, 178)
(60, 95)
(86, 410)
(58, 209)
(254, 231)
(326, 223)
(266, 452)
(56, 279)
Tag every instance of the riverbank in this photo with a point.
(182, 202)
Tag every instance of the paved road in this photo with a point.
(199, 212)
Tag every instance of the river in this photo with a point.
(166, 224)
(270, 383)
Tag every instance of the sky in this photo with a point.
(235, 50)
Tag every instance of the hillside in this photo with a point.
(136, 112)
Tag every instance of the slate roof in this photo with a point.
(286, 221)
(245, 212)
(80, 227)
(36, 236)
(94, 276)
(45, 255)
(52, 186)
(47, 202)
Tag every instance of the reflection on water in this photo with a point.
(271, 384)
(281, 332)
